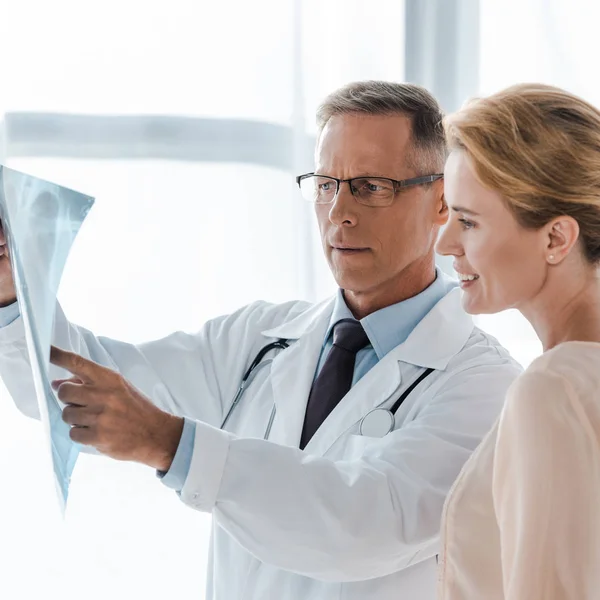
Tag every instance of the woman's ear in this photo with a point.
(562, 234)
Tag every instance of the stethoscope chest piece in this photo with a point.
(377, 423)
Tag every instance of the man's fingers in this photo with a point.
(83, 435)
(78, 416)
(73, 393)
(58, 382)
(85, 369)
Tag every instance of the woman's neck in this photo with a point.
(567, 311)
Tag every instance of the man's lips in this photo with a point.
(347, 248)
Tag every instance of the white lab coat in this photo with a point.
(349, 518)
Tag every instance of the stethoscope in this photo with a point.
(377, 423)
(256, 365)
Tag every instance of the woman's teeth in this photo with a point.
(467, 277)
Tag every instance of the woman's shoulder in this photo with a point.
(569, 369)
(568, 357)
(557, 395)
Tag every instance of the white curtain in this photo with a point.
(548, 41)
(105, 97)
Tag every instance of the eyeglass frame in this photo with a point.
(397, 183)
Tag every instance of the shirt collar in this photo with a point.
(390, 326)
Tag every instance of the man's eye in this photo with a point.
(374, 186)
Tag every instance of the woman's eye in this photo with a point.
(466, 223)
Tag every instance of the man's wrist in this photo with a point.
(168, 438)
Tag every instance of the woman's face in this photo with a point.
(500, 263)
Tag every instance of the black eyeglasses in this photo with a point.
(370, 191)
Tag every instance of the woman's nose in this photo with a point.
(447, 244)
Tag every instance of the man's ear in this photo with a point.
(442, 211)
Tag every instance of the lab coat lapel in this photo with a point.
(293, 370)
(440, 335)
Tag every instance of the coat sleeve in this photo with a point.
(180, 373)
(348, 520)
(547, 493)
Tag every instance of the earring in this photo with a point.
(551, 257)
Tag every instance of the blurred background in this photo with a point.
(187, 120)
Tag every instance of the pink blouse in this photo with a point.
(522, 521)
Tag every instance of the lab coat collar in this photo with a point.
(439, 336)
(303, 323)
(390, 326)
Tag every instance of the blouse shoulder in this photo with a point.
(566, 375)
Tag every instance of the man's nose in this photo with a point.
(2, 236)
(343, 206)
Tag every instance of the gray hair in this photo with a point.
(388, 98)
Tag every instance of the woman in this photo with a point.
(522, 522)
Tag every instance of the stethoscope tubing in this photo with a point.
(256, 364)
(282, 344)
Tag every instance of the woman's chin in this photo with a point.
(477, 307)
(470, 309)
(473, 305)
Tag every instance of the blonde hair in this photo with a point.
(539, 147)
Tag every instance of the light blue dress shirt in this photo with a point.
(8, 314)
(385, 328)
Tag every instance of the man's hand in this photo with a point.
(108, 413)
(8, 294)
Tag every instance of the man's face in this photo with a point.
(376, 252)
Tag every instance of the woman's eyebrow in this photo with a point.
(462, 209)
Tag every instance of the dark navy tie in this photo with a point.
(335, 379)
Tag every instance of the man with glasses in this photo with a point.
(370, 191)
(322, 438)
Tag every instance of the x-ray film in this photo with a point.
(41, 220)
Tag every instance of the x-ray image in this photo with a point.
(41, 220)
